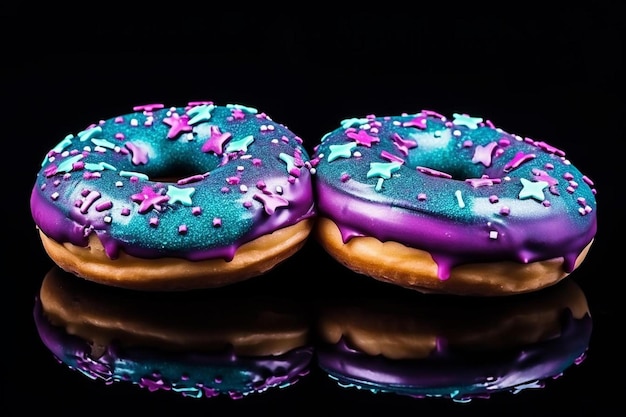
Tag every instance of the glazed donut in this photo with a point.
(175, 198)
(450, 205)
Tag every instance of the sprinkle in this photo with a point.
(465, 120)
(201, 113)
(279, 189)
(587, 180)
(493, 199)
(483, 154)
(134, 122)
(104, 206)
(493, 234)
(133, 174)
(459, 198)
(125, 211)
(196, 211)
(363, 138)
(421, 196)
(217, 222)
(383, 169)
(54, 195)
(87, 134)
(182, 229)
(193, 178)
(379, 184)
(433, 172)
(532, 189)
(518, 159)
(505, 211)
(344, 177)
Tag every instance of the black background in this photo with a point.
(552, 75)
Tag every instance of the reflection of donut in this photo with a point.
(458, 349)
(198, 344)
(437, 204)
(175, 198)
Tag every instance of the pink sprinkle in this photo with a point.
(505, 211)
(104, 205)
(67, 176)
(154, 221)
(56, 183)
(85, 192)
(570, 189)
(493, 199)
(391, 157)
(119, 119)
(285, 139)
(467, 143)
(344, 177)
(77, 166)
(291, 180)
(78, 203)
(421, 196)
(260, 185)
(119, 136)
(232, 180)
(125, 211)
(134, 178)
(504, 142)
(199, 103)
(193, 178)
(217, 222)
(587, 180)
(490, 124)
(148, 107)
(546, 203)
(433, 172)
(196, 211)
(247, 204)
(182, 229)
(295, 172)
(549, 166)
(568, 176)
(225, 189)
(256, 162)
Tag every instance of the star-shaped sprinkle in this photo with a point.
(341, 151)
(362, 138)
(419, 121)
(148, 199)
(139, 155)
(532, 189)
(346, 123)
(466, 120)
(271, 202)
(403, 145)
(482, 154)
(180, 195)
(240, 145)
(177, 124)
(216, 141)
(200, 113)
(383, 169)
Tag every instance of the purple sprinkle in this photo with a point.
(196, 211)
(493, 198)
(182, 229)
(104, 205)
(125, 211)
(505, 211)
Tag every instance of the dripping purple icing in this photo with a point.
(243, 176)
(460, 188)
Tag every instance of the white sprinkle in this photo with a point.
(243, 188)
(100, 149)
(397, 123)
(459, 198)
(274, 141)
(456, 133)
(493, 234)
(51, 159)
(240, 168)
(189, 137)
(279, 189)
(54, 195)
(312, 171)
(119, 184)
(87, 149)
(64, 154)
(117, 149)
(107, 219)
(580, 210)
(246, 156)
(357, 154)
(134, 122)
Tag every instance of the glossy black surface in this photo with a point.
(555, 77)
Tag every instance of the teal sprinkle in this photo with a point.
(134, 174)
(242, 107)
(379, 184)
(288, 159)
(341, 151)
(181, 195)
(471, 122)
(200, 113)
(104, 143)
(240, 144)
(532, 189)
(67, 141)
(100, 166)
(89, 133)
(326, 136)
(66, 165)
(383, 169)
(346, 123)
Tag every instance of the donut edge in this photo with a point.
(395, 263)
(252, 259)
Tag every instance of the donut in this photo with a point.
(198, 344)
(175, 198)
(450, 205)
(453, 347)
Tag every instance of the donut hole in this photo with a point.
(446, 161)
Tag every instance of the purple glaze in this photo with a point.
(466, 192)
